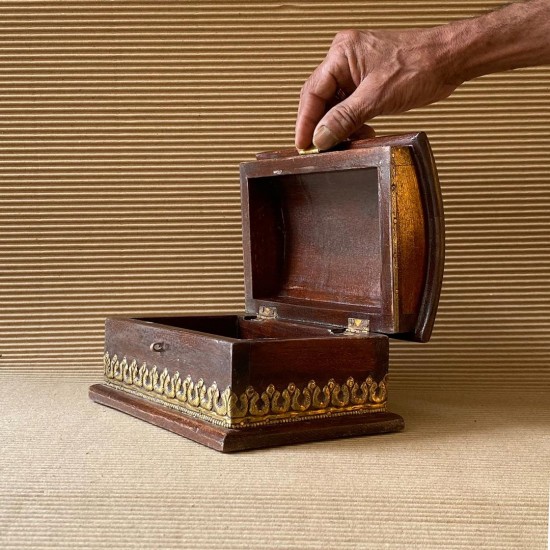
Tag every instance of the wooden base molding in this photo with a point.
(231, 440)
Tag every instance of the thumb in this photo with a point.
(342, 120)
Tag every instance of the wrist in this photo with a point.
(509, 38)
(471, 49)
(444, 52)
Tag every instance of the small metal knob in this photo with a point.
(158, 346)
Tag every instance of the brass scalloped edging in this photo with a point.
(225, 408)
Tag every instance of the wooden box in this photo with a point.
(342, 250)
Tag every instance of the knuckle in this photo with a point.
(326, 69)
(347, 36)
(306, 88)
(347, 117)
(312, 82)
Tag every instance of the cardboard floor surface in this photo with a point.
(471, 470)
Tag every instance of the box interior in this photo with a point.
(315, 239)
(245, 327)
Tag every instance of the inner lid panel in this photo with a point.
(316, 237)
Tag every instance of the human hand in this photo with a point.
(370, 73)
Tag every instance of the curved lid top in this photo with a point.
(350, 233)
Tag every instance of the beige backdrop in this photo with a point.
(122, 125)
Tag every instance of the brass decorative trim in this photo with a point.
(250, 408)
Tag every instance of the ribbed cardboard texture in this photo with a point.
(121, 129)
(469, 471)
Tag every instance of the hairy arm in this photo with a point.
(370, 73)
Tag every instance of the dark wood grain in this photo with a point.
(401, 140)
(322, 242)
(430, 193)
(242, 352)
(333, 220)
(298, 361)
(189, 352)
(356, 232)
(279, 329)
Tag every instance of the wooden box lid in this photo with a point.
(356, 232)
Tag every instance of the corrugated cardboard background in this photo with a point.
(122, 125)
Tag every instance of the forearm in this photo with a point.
(371, 73)
(517, 35)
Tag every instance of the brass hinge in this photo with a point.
(309, 151)
(357, 326)
(267, 312)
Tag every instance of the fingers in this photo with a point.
(331, 78)
(345, 118)
(318, 90)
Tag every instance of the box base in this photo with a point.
(230, 440)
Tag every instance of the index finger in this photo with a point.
(317, 91)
